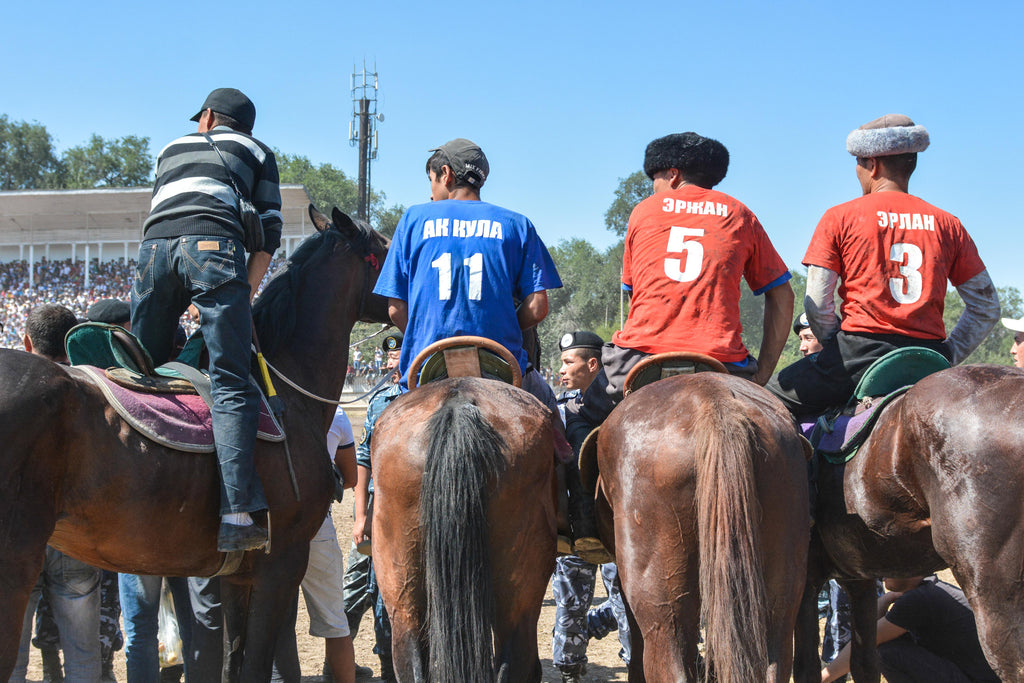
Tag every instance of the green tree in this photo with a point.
(327, 186)
(589, 297)
(121, 162)
(387, 219)
(27, 159)
(632, 189)
(330, 187)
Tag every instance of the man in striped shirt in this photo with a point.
(192, 257)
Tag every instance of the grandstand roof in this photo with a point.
(105, 215)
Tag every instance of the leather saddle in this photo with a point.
(465, 356)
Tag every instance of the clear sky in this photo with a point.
(563, 96)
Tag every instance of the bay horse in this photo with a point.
(75, 476)
(938, 483)
(464, 529)
(705, 504)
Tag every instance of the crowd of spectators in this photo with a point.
(63, 282)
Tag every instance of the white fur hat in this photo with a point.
(887, 135)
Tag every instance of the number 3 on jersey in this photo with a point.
(475, 263)
(909, 272)
(692, 250)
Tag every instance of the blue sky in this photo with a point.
(563, 96)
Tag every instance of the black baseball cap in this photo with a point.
(466, 160)
(230, 102)
(580, 340)
(800, 324)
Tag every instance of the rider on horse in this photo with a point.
(193, 256)
(457, 266)
(689, 300)
(894, 253)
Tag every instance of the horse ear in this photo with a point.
(345, 224)
(320, 221)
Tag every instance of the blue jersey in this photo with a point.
(461, 266)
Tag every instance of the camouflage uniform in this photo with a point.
(572, 587)
(574, 580)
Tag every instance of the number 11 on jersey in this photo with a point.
(474, 263)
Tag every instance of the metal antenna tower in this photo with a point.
(362, 130)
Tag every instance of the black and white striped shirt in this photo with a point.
(193, 194)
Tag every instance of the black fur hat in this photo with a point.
(701, 160)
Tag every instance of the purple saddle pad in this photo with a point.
(843, 430)
(178, 421)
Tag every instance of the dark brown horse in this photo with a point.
(73, 474)
(464, 529)
(706, 478)
(939, 483)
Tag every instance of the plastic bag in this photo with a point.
(167, 632)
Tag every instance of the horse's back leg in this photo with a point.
(997, 599)
(664, 596)
(865, 665)
(21, 563)
(635, 668)
(516, 649)
(807, 661)
(408, 649)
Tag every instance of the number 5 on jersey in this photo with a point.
(692, 250)
(474, 263)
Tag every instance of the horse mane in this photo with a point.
(275, 310)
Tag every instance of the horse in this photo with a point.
(703, 500)
(464, 529)
(74, 475)
(938, 483)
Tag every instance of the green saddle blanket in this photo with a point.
(127, 362)
(838, 435)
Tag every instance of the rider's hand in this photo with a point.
(360, 531)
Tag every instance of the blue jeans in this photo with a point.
(205, 658)
(210, 273)
(140, 606)
(73, 589)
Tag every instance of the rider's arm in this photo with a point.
(981, 313)
(398, 311)
(840, 666)
(820, 301)
(778, 314)
(362, 496)
(533, 309)
(256, 267)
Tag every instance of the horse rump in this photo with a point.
(464, 456)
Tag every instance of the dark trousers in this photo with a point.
(904, 661)
(210, 273)
(828, 379)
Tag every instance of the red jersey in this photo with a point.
(894, 253)
(685, 253)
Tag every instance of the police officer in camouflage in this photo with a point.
(574, 579)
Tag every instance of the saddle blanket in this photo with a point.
(844, 430)
(179, 421)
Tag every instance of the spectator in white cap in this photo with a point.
(1017, 350)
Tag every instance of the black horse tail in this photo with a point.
(732, 589)
(464, 457)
